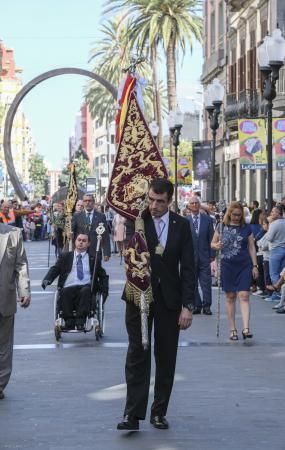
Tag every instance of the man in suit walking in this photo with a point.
(87, 221)
(173, 284)
(14, 278)
(74, 270)
(202, 232)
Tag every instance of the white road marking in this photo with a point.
(42, 292)
(119, 391)
(44, 333)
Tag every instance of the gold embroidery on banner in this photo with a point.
(137, 154)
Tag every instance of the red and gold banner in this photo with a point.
(137, 163)
(123, 105)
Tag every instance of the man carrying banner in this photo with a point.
(169, 242)
(159, 263)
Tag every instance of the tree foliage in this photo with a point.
(38, 175)
(112, 54)
(170, 23)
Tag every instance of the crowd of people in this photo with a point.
(252, 245)
(42, 220)
(204, 244)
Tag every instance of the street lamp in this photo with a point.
(154, 129)
(270, 56)
(213, 100)
(175, 123)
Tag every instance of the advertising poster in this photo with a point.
(169, 165)
(252, 144)
(202, 160)
(184, 164)
(278, 132)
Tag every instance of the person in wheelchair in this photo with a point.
(74, 270)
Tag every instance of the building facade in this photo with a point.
(53, 181)
(104, 152)
(98, 141)
(22, 142)
(246, 23)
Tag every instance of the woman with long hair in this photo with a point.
(238, 265)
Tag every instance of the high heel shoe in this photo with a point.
(246, 334)
(233, 335)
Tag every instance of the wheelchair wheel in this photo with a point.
(57, 319)
(100, 327)
(55, 311)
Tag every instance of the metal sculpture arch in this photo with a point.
(16, 102)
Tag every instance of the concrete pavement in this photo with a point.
(227, 395)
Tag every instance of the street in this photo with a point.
(70, 395)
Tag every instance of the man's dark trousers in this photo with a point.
(138, 362)
(76, 298)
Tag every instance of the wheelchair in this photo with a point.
(95, 319)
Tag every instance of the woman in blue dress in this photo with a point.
(238, 265)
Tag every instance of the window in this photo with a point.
(233, 73)
(251, 62)
(99, 141)
(212, 30)
(242, 67)
(264, 28)
(221, 20)
(112, 139)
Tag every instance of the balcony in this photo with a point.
(213, 65)
(246, 104)
(235, 5)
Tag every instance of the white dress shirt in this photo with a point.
(163, 228)
(72, 279)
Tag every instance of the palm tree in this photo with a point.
(112, 54)
(171, 23)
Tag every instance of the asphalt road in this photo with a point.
(67, 396)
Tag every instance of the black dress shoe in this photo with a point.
(129, 424)
(281, 310)
(196, 310)
(2, 395)
(207, 311)
(159, 422)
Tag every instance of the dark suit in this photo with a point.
(173, 284)
(80, 224)
(203, 255)
(72, 297)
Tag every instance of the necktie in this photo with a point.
(195, 222)
(89, 218)
(158, 226)
(79, 265)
